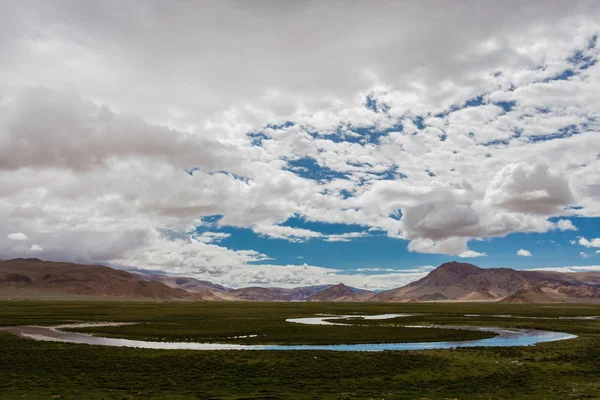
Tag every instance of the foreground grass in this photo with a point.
(567, 369)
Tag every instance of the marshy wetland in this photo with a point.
(501, 337)
(557, 369)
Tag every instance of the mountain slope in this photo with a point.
(527, 296)
(34, 277)
(202, 289)
(274, 294)
(466, 282)
(452, 281)
(590, 278)
(456, 280)
(339, 293)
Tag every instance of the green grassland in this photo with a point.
(39, 370)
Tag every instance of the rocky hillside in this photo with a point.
(203, 289)
(341, 292)
(274, 294)
(33, 278)
(455, 281)
(527, 296)
(452, 281)
(36, 278)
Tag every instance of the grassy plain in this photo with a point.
(39, 370)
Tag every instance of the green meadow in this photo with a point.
(567, 369)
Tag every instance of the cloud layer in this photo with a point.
(121, 137)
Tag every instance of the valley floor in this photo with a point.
(39, 370)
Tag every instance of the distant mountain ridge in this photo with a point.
(274, 294)
(34, 278)
(456, 281)
(451, 281)
(341, 292)
(204, 289)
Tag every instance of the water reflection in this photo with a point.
(505, 337)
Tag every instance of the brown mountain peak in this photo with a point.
(339, 292)
(340, 286)
(456, 268)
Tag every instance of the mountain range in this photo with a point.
(451, 281)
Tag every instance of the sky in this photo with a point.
(293, 143)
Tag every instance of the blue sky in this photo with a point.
(377, 251)
(308, 143)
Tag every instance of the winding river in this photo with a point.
(505, 337)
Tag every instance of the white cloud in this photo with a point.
(211, 237)
(287, 232)
(300, 235)
(376, 269)
(471, 254)
(17, 236)
(346, 237)
(92, 135)
(35, 248)
(565, 225)
(524, 253)
(529, 188)
(589, 243)
(575, 268)
(191, 257)
(457, 246)
(425, 268)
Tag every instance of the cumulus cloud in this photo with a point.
(457, 246)
(90, 135)
(529, 188)
(35, 248)
(192, 257)
(17, 236)
(524, 253)
(589, 243)
(565, 225)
